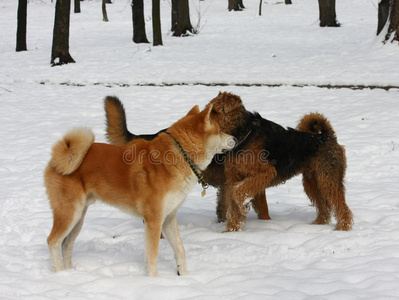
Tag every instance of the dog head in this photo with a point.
(227, 111)
(200, 136)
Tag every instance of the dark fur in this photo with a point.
(266, 155)
(117, 132)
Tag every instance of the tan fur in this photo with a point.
(69, 152)
(240, 184)
(315, 123)
(149, 179)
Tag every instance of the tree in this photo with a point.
(328, 17)
(288, 2)
(60, 49)
(104, 9)
(156, 23)
(383, 13)
(392, 32)
(235, 5)
(21, 25)
(76, 6)
(139, 35)
(181, 23)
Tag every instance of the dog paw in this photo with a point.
(232, 229)
(343, 226)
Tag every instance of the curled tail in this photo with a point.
(116, 127)
(316, 123)
(69, 152)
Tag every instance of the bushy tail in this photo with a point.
(316, 123)
(69, 152)
(116, 127)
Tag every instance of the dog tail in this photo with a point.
(116, 128)
(316, 123)
(69, 152)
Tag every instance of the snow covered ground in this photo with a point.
(285, 258)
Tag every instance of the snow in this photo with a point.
(284, 258)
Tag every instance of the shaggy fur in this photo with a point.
(266, 155)
(149, 179)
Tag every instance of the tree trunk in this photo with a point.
(21, 27)
(383, 13)
(181, 23)
(104, 9)
(260, 7)
(76, 6)
(156, 23)
(393, 27)
(235, 5)
(139, 35)
(288, 2)
(328, 17)
(60, 50)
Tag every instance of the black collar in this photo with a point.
(196, 170)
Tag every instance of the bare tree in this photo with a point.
(383, 13)
(235, 5)
(392, 33)
(181, 23)
(328, 16)
(156, 23)
(60, 49)
(104, 9)
(21, 25)
(76, 6)
(139, 35)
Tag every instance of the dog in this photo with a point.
(266, 155)
(148, 179)
(229, 113)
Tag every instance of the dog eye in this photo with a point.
(213, 112)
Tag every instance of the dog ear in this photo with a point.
(194, 111)
(230, 101)
(206, 115)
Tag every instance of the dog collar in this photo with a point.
(193, 166)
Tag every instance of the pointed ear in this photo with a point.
(194, 111)
(206, 114)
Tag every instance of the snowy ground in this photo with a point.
(285, 258)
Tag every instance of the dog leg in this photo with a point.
(152, 234)
(171, 231)
(64, 223)
(259, 204)
(236, 215)
(342, 212)
(240, 193)
(67, 244)
(221, 209)
(317, 198)
(344, 217)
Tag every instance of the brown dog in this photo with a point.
(149, 179)
(266, 155)
(228, 111)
